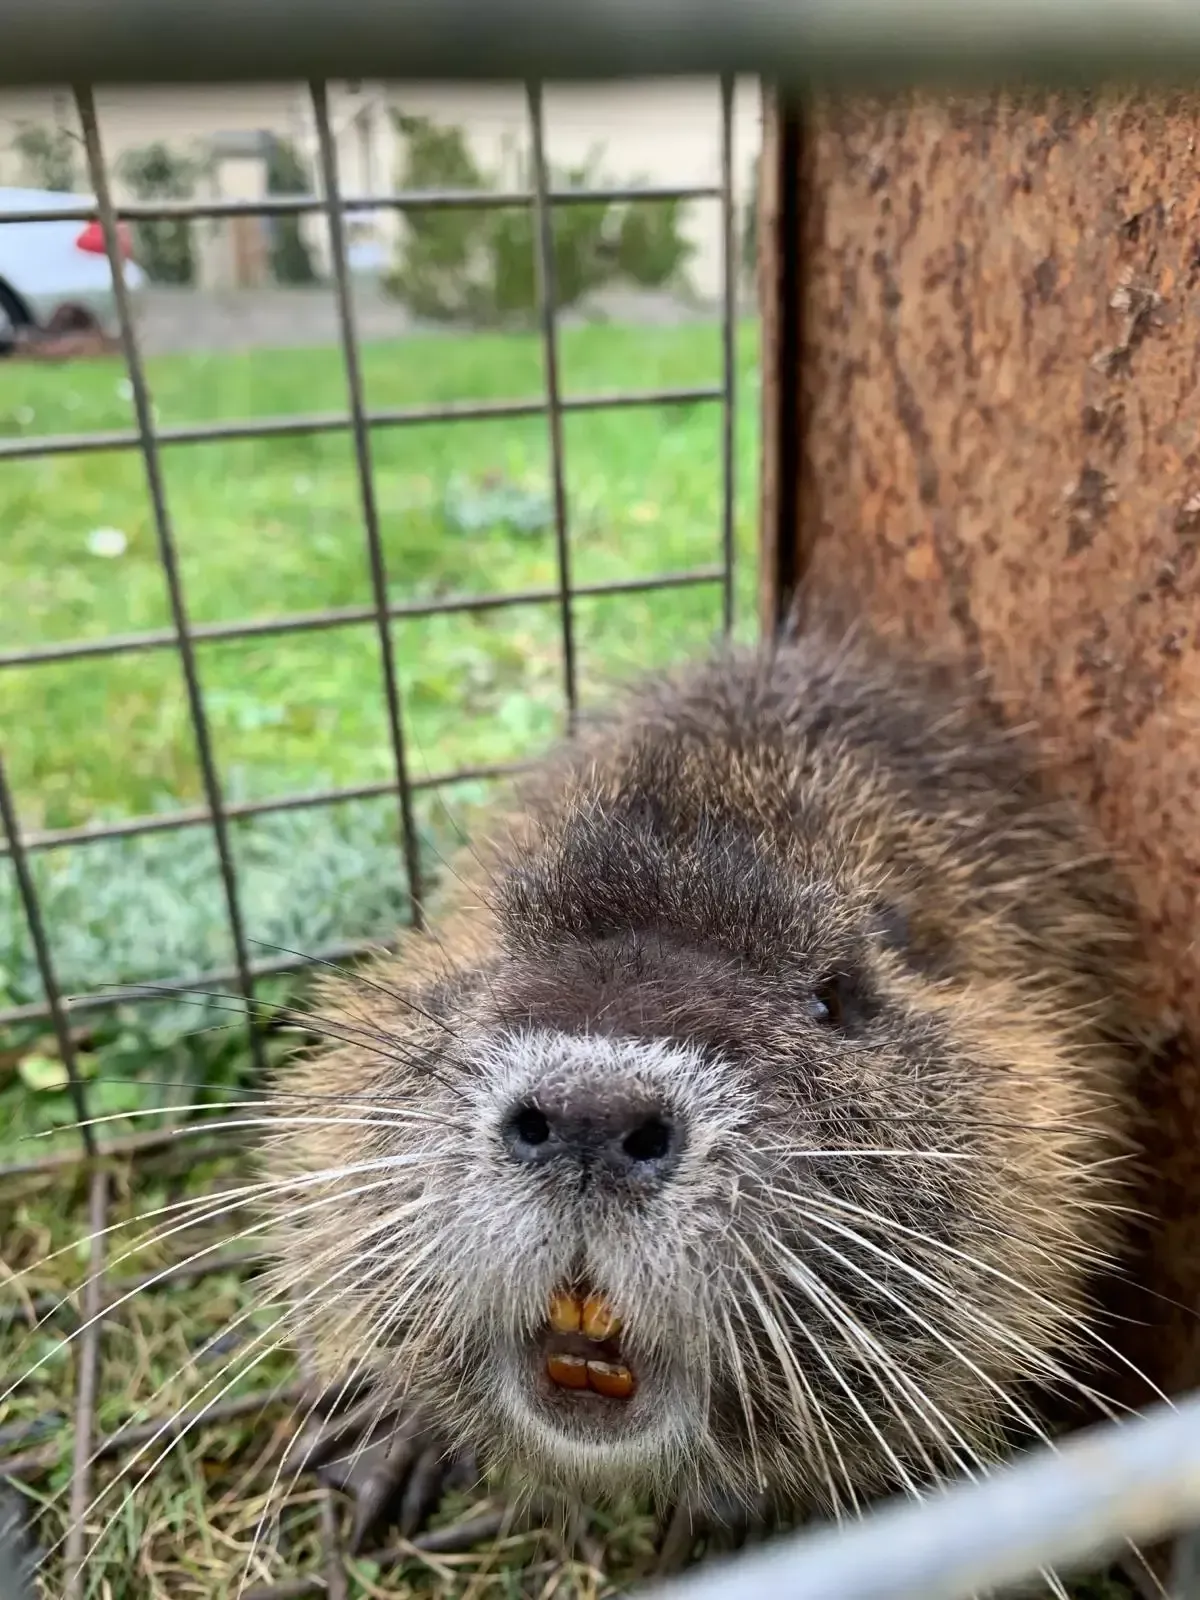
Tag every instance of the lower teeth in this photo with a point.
(612, 1379)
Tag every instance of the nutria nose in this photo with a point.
(627, 1135)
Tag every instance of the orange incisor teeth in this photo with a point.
(569, 1372)
(565, 1313)
(611, 1379)
(599, 1320)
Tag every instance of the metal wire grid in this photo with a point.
(183, 637)
(801, 43)
(360, 422)
(1137, 1482)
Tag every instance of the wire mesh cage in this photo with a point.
(28, 1451)
(1087, 1500)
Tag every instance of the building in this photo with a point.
(658, 133)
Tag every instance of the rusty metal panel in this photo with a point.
(1000, 457)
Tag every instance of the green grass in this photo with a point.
(183, 1521)
(272, 527)
(266, 528)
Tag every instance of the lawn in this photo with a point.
(271, 527)
(266, 528)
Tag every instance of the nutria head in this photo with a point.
(743, 1126)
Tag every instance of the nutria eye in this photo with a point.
(825, 1004)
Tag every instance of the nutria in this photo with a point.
(19, 1558)
(749, 1124)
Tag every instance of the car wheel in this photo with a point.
(14, 313)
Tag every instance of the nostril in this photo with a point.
(649, 1141)
(604, 1132)
(530, 1125)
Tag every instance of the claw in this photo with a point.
(691, 1534)
(379, 1492)
(391, 1465)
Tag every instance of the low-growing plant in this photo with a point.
(291, 261)
(49, 157)
(138, 910)
(164, 248)
(481, 264)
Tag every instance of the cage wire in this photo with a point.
(1137, 1481)
(183, 637)
(801, 42)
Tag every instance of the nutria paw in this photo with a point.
(688, 1536)
(393, 1466)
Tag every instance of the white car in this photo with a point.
(45, 263)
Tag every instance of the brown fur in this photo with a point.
(818, 824)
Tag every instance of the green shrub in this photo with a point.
(480, 265)
(125, 910)
(49, 157)
(438, 275)
(130, 911)
(291, 261)
(651, 248)
(163, 248)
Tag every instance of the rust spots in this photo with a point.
(889, 290)
(1131, 229)
(1105, 424)
(1045, 279)
(1139, 305)
(1187, 518)
(1088, 502)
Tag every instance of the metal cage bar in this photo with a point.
(366, 489)
(134, 1435)
(728, 354)
(300, 205)
(196, 816)
(87, 1384)
(806, 42)
(345, 616)
(86, 104)
(35, 445)
(543, 232)
(53, 1006)
(1081, 1501)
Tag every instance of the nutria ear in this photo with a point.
(890, 926)
(922, 948)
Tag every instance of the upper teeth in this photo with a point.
(593, 1316)
(599, 1319)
